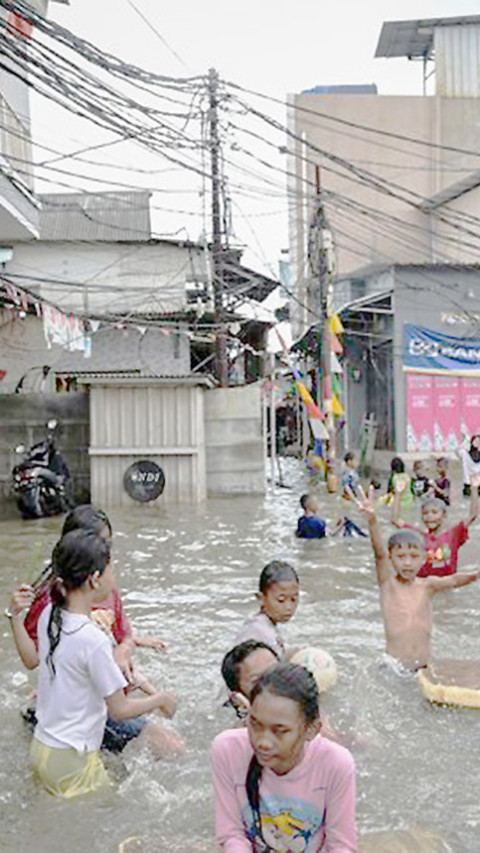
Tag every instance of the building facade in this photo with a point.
(399, 176)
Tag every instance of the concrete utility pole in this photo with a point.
(325, 268)
(217, 245)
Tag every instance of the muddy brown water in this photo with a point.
(190, 574)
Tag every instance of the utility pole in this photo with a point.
(324, 238)
(217, 245)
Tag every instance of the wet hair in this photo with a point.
(303, 501)
(78, 555)
(234, 658)
(397, 465)
(407, 536)
(432, 500)
(348, 456)
(86, 517)
(291, 682)
(276, 572)
(82, 517)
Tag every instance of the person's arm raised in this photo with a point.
(438, 584)
(366, 506)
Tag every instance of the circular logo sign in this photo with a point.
(144, 481)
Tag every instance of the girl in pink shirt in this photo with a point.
(280, 787)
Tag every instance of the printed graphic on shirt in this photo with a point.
(286, 825)
(440, 556)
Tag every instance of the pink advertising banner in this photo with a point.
(420, 412)
(446, 410)
(440, 410)
(470, 410)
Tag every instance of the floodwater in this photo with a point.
(189, 574)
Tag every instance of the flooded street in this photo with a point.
(190, 574)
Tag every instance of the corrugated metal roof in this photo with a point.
(126, 377)
(110, 216)
(415, 38)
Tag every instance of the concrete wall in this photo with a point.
(235, 453)
(109, 277)
(22, 421)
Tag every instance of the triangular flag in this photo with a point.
(327, 386)
(336, 367)
(318, 430)
(335, 324)
(337, 407)
(337, 385)
(335, 344)
(328, 404)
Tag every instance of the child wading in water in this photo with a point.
(279, 785)
(440, 541)
(78, 677)
(278, 597)
(406, 599)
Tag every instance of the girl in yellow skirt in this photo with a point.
(78, 677)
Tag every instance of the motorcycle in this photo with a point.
(41, 481)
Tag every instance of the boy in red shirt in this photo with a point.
(441, 542)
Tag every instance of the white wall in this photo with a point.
(108, 277)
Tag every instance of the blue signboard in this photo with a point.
(428, 350)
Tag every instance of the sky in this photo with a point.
(273, 47)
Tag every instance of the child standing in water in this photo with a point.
(278, 597)
(441, 542)
(310, 525)
(279, 785)
(406, 599)
(350, 476)
(78, 677)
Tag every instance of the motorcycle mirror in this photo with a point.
(52, 424)
(20, 448)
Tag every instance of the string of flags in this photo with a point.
(75, 333)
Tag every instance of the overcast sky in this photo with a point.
(273, 46)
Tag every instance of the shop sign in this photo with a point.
(425, 349)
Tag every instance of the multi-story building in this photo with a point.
(400, 187)
(400, 175)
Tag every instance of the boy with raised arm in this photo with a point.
(440, 541)
(406, 599)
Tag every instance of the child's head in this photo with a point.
(407, 553)
(88, 517)
(418, 468)
(284, 714)
(278, 591)
(433, 513)
(442, 466)
(397, 465)
(243, 665)
(349, 460)
(310, 504)
(81, 559)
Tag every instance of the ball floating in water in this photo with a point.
(320, 663)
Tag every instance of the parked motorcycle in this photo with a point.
(41, 481)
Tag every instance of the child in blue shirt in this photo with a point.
(310, 525)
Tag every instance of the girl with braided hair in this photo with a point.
(280, 787)
(78, 677)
